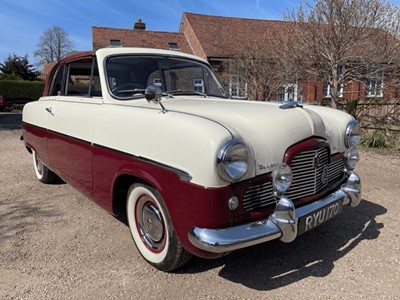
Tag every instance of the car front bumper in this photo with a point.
(285, 223)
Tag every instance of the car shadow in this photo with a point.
(19, 215)
(275, 264)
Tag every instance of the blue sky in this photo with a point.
(23, 21)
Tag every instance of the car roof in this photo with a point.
(103, 52)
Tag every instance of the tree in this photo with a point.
(17, 68)
(54, 44)
(251, 68)
(264, 67)
(345, 41)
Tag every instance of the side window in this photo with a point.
(57, 82)
(77, 78)
(95, 88)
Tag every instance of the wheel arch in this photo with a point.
(120, 192)
(151, 174)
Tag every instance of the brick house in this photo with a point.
(218, 39)
(46, 70)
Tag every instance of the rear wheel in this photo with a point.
(152, 230)
(43, 174)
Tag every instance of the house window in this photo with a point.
(288, 92)
(157, 81)
(198, 85)
(115, 43)
(375, 85)
(173, 46)
(237, 87)
(327, 89)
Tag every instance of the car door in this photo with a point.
(70, 123)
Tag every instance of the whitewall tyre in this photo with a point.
(152, 230)
(43, 174)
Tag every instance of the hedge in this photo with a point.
(13, 90)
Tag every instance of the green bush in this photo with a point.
(377, 139)
(13, 90)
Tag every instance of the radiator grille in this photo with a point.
(312, 172)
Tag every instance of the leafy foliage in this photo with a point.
(21, 90)
(17, 68)
(377, 139)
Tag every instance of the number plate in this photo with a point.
(318, 217)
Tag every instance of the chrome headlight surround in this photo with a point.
(233, 160)
(352, 134)
(282, 177)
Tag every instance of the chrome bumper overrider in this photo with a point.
(283, 223)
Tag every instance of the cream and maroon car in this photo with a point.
(150, 135)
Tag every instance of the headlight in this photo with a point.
(282, 178)
(352, 158)
(353, 134)
(233, 160)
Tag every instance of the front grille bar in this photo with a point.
(312, 172)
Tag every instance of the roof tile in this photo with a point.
(101, 37)
(227, 36)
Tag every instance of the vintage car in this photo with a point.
(151, 136)
(5, 105)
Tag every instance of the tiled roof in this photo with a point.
(226, 36)
(101, 37)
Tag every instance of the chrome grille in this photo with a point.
(306, 177)
(258, 196)
(312, 172)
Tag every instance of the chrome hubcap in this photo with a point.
(150, 223)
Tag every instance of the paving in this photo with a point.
(10, 120)
(57, 244)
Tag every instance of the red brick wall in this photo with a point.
(193, 41)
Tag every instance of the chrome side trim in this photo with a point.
(283, 223)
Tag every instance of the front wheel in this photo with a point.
(152, 230)
(43, 174)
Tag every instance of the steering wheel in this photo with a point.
(127, 89)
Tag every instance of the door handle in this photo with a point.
(50, 110)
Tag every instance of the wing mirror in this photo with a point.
(153, 93)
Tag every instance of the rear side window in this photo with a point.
(57, 82)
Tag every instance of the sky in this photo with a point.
(22, 22)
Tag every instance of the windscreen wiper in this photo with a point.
(186, 92)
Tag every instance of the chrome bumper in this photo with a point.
(282, 224)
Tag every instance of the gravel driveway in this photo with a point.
(57, 244)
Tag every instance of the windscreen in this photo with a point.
(128, 76)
